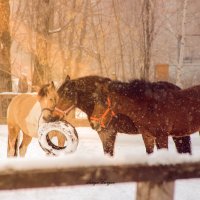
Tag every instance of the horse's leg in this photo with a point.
(183, 144)
(60, 137)
(24, 145)
(61, 140)
(13, 132)
(162, 141)
(149, 142)
(108, 138)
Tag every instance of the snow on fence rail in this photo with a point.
(155, 181)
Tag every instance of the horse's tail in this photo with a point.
(17, 145)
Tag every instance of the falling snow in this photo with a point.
(129, 148)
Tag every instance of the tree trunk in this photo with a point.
(119, 37)
(67, 69)
(62, 48)
(79, 57)
(42, 72)
(181, 45)
(5, 43)
(147, 28)
(103, 54)
(95, 33)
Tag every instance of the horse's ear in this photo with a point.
(67, 78)
(43, 91)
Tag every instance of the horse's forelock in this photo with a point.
(66, 87)
(45, 89)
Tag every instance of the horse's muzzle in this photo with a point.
(95, 125)
(51, 118)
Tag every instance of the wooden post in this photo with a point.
(155, 191)
(161, 72)
(152, 190)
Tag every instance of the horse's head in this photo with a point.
(79, 93)
(48, 99)
(67, 97)
(102, 113)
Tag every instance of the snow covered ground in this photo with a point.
(90, 146)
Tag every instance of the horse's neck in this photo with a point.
(34, 118)
(36, 104)
(86, 104)
(126, 106)
(41, 101)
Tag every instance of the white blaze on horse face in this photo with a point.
(34, 119)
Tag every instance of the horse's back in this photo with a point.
(19, 108)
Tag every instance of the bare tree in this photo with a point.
(115, 5)
(96, 42)
(121, 37)
(82, 37)
(181, 45)
(42, 72)
(147, 36)
(71, 39)
(5, 44)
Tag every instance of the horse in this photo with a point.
(157, 115)
(25, 112)
(81, 93)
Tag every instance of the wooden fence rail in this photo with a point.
(153, 180)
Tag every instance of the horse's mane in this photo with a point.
(84, 84)
(43, 90)
(139, 88)
(132, 88)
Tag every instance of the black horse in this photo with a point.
(80, 92)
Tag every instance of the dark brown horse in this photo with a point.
(156, 115)
(81, 93)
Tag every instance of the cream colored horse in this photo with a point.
(25, 113)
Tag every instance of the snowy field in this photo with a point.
(89, 145)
